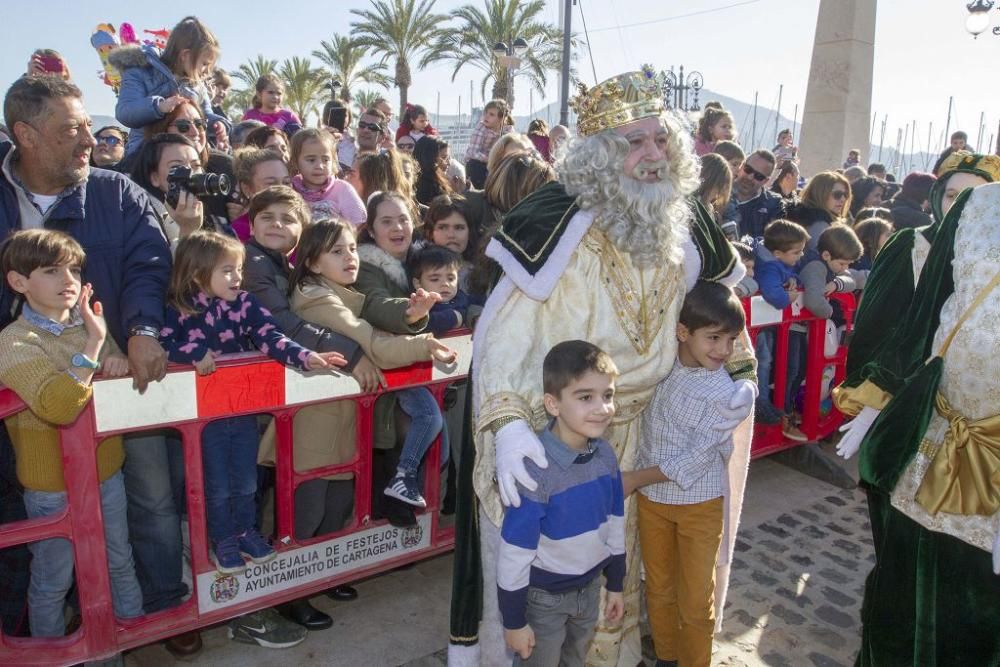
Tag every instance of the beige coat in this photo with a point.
(325, 434)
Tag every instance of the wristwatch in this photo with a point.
(144, 330)
(80, 360)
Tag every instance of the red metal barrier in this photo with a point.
(186, 402)
(248, 384)
(768, 439)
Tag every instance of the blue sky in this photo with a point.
(922, 52)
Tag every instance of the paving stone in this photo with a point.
(825, 636)
(742, 616)
(805, 561)
(834, 616)
(792, 596)
(775, 660)
(737, 564)
(837, 598)
(771, 564)
(847, 563)
(834, 575)
(836, 500)
(821, 660)
(852, 548)
(840, 530)
(741, 545)
(774, 530)
(787, 520)
(814, 532)
(774, 546)
(787, 615)
(806, 514)
(763, 579)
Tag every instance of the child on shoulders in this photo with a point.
(570, 530)
(48, 357)
(415, 124)
(488, 130)
(681, 474)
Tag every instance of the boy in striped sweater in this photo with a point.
(569, 529)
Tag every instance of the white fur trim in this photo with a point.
(692, 263)
(735, 276)
(497, 298)
(540, 285)
(392, 267)
(463, 656)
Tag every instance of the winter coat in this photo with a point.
(908, 213)
(816, 221)
(326, 434)
(146, 81)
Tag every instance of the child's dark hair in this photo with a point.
(371, 210)
(444, 206)
(712, 304)
(194, 261)
(191, 35)
(841, 242)
(569, 360)
(317, 239)
(745, 251)
(413, 112)
(783, 235)
(499, 105)
(432, 257)
(31, 249)
(870, 231)
(280, 194)
(147, 161)
(263, 81)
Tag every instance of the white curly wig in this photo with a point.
(647, 220)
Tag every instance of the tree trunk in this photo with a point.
(403, 82)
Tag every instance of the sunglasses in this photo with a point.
(184, 126)
(750, 171)
(405, 146)
(110, 140)
(839, 195)
(374, 127)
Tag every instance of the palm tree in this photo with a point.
(471, 42)
(404, 30)
(252, 70)
(303, 84)
(365, 99)
(343, 56)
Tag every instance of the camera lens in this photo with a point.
(209, 185)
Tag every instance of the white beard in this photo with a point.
(646, 220)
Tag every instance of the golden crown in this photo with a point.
(618, 101)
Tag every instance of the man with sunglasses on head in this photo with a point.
(756, 205)
(110, 147)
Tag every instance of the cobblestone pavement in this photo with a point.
(796, 586)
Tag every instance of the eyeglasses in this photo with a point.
(750, 171)
(374, 127)
(109, 139)
(183, 126)
(839, 195)
(405, 146)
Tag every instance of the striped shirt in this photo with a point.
(678, 438)
(567, 531)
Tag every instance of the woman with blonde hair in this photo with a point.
(825, 201)
(509, 144)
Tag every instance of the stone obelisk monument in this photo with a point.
(838, 108)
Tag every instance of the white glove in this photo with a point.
(739, 408)
(854, 432)
(513, 443)
(996, 554)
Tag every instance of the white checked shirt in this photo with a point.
(677, 436)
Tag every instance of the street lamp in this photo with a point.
(677, 87)
(335, 87)
(979, 19)
(510, 57)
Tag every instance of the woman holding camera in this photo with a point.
(163, 167)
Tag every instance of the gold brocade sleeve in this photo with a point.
(743, 364)
(850, 400)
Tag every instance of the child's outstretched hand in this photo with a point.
(614, 607)
(207, 364)
(368, 376)
(420, 304)
(520, 641)
(92, 314)
(317, 361)
(115, 365)
(442, 352)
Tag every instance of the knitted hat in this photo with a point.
(917, 186)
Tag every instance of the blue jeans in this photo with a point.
(229, 457)
(425, 424)
(764, 349)
(52, 560)
(796, 366)
(154, 486)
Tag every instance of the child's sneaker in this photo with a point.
(405, 487)
(226, 555)
(792, 432)
(253, 545)
(765, 412)
(266, 628)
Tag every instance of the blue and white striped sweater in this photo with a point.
(566, 532)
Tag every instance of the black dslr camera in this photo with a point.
(200, 185)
